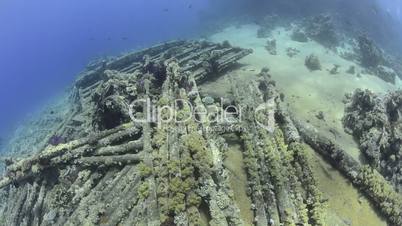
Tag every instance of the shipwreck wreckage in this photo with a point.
(113, 171)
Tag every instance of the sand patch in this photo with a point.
(306, 92)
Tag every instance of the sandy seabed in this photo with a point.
(307, 93)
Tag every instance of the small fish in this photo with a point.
(166, 10)
(190, 6)
(124, 38)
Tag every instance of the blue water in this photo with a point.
(44, 44)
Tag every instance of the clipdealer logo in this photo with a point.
(218, 117)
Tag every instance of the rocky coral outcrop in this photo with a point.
(376, 61)
(375, 121)
(312, 63)
(370, 55)
(291, 52)
(299, 35)
(335, 69)
(321, 28)
(385, 73)
(271, 47)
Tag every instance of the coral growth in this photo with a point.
(335, 69)
(364, 177)
(56, 140)
(370, 55)
(312, 63)
(291, 52)
(375, 60)
(271, 47)
(375, 121)
(388, 201)
(299, 36)
(321, 28)
(385, 73)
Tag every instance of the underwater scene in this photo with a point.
(201, 112)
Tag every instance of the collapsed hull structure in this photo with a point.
(116, 171)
